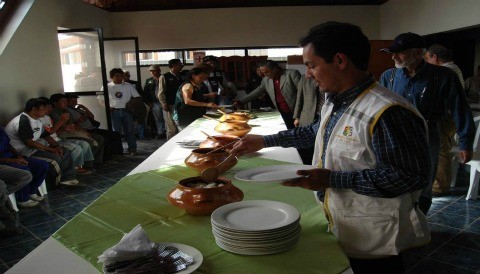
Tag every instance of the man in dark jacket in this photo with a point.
(167, 90)
(151, 99)
(436, 92)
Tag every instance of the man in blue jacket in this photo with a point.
(436, 92)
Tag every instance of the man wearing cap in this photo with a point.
(436, 92)
(151, 99)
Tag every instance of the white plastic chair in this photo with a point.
(474, 164)
(13, 201)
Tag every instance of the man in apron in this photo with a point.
(371, 150)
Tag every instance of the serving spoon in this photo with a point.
(208, 135)
(211, 174)
(208, 117)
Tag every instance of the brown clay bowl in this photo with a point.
(200, 160)
(203, 201)
(218, 141)
(233, 128)
(235, 117)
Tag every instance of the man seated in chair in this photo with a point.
(26, 129)
(32, 168)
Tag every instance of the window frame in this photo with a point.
(184, 52)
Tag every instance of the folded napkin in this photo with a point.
(135, 253)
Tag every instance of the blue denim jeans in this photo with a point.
(123, 123)
(157, 112)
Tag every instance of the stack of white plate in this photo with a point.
(256, 227)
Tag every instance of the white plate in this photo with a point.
(257, 238)
(253, 252)
(271, 174)
(255, 215)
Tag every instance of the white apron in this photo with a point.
(367, 227)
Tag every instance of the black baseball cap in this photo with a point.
(406, 41)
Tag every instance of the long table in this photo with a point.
(53, 256)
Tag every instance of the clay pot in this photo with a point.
(235, 117)
(203, 201)
(218, 141)
(200, 160)
(233, 128)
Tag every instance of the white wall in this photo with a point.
(30, 63)
(236, 27)
(427, 16)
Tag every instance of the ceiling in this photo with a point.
(145, 5)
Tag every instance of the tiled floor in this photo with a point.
(455, 229)
(64, 203)
(454, 222)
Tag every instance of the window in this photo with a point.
(189, 54)
(80, 59)
(161, 57)
(277, 54)
(148, 58)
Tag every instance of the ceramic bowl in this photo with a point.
(218, 141)
(203, 201)
(200, 160)
(235, 117)
(233, 128)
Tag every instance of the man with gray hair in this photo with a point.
(281, 85)
(441, 56)
(436, 92)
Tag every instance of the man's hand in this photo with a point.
(19, 160)
(313, 179)
(212, 105)
(248, 144)
(56, 150)
(465, 156)
(296, 122)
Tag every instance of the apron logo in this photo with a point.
(348, 131)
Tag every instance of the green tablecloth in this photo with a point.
(141, 199)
